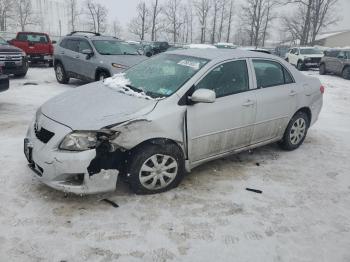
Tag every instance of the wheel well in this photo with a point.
(307, 111)
(100, 70)
(159, 141)
(57, 61)
(345, 67)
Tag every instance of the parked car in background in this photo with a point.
(336, 61)
(38, 46)
(154, 48)
(13, 60)
(282, 51)
(255, 49)
(167, 115)
(4, 81)
(305, 58)
(226, 45)
(91, 57)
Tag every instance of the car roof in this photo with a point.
(220, 54)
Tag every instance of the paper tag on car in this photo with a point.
(192, 64)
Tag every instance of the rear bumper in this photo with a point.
(40, 57)
(62, 170)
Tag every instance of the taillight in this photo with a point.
(322, 89)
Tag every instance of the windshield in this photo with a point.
(3, 41)
(112, 47)
(311, 51)
(35, 38)
(163, 75)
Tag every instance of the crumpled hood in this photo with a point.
(94, 106)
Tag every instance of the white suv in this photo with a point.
(305, 57)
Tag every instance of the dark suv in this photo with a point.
(336, 61)
(12, 59)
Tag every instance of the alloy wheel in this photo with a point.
(298, 131)
(158, 171)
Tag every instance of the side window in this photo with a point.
(268, 73)
(288, 79)
(83, 45)
(63, 43)
(341, 55)
(227, 79)
(73, 45)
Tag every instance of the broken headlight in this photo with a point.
(85, 140)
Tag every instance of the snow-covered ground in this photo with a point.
(303, 213)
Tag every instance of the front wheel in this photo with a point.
(61, 74)
(322, 69)
(155, 168)
(300, 66)
(346, 73)
(296, 132)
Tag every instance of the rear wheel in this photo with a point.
(61, 74)
(346, 73)
(323, 69)
(50, 63)
(296, 131)
(155, 169)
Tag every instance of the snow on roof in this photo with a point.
(330, 34)
(200, 46)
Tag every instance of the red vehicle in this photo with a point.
(38, 46)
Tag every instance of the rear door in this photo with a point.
(227, 124)
(70, 55)
(276, 95)
(339, 62)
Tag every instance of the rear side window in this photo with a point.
(36, 38)
(72, 45)
(227, 79)
(269, 73)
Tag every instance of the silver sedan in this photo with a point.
(167, 115)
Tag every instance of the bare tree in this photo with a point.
(229, 23)
(172, 15)
(139, 24)
(202, 8)
(24, 13)
(156, 10)
(73, 13)
(216, 6)
(6, 7)
(310, 17)
(97, 15)
(222, 18)
(117, 29)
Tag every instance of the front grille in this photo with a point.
(10, 57)
(315, 60)
(44, 135)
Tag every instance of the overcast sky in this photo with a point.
(124, 10)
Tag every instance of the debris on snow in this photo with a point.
(254, 190)
(112, 203)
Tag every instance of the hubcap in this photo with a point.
(158, 171)
(297, 131)
(59, 73)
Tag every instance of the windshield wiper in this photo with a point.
(125, 53)
(133, 88)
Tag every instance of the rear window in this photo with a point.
(36, 38)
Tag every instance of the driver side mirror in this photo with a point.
(54, 42)
(88, 52)
(203, 96)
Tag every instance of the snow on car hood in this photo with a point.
(94, 106)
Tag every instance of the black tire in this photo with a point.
(288, 142)
(100, 76)
(346, 73)
(141, 157)
(25, 70)
(50, 63)
(300, 66)
(323, 69)
(61, 74)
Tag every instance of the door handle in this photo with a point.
(77, 56)
(248, 103)
(293, 93)
(62, 53)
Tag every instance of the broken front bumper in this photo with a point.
(63, 170)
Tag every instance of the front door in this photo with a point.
(227, 124)
(276, 99)
(87, 67)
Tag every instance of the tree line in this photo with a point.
(248, 22)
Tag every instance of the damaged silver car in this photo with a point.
(167, 115)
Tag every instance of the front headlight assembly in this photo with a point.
(85, 140)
